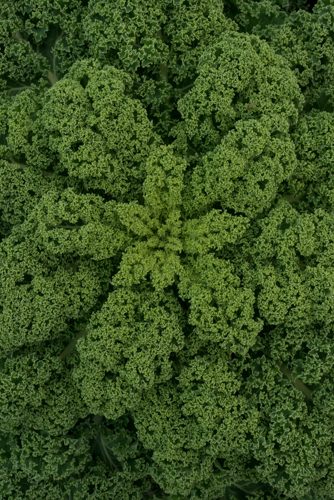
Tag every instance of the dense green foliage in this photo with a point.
(166, 249)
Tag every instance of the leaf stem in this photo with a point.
(296, 382)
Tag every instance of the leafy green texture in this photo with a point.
(126, 350)
(239, 77)
(166, 249)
